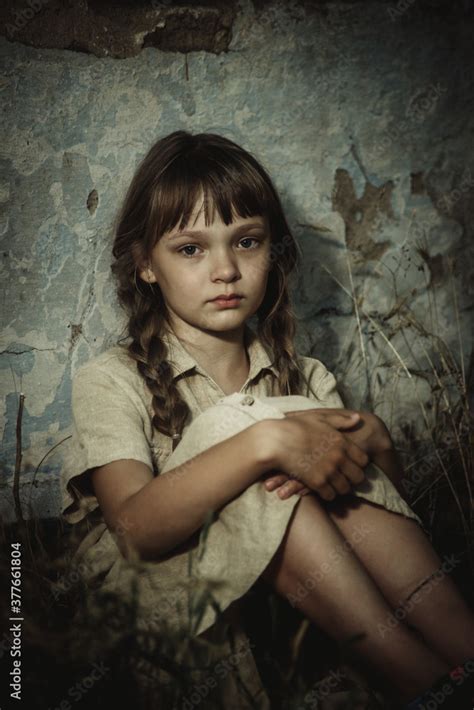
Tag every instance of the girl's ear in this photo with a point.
(147, 274)
(142, 261)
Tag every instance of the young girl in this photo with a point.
(206, 455)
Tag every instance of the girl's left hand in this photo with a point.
(287, 486)
(370, 432)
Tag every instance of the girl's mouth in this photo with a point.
(227, 302)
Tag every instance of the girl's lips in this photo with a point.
(223, 298)
(229, 302)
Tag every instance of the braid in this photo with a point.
(150, 353)
(147, 348)
(277, 330)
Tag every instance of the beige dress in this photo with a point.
(112, 414)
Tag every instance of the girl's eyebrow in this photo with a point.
(201, 233)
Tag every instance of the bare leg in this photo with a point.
(398, 555)
(321, 575)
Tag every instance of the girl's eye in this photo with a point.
(188, 246)
(193, 246)
(251, 239)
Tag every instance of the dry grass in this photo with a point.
(438, 454)
(66, 637)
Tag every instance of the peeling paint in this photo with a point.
(361, 216)
(92, 201)
(105, 30)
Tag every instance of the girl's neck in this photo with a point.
(223, 357)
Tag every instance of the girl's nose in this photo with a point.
(224, 267)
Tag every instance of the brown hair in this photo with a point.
(165, 186)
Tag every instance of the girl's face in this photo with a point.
(193, 268)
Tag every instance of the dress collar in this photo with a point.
(181, 360)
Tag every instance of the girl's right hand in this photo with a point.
(312, 447)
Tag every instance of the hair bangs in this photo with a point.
(221, 182)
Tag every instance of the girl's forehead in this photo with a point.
(197, 217)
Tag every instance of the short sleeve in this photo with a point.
(107, 426)
(322, 385)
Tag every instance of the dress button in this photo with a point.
(248, 399)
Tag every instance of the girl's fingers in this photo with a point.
(286, 486)
(275, 481)
(290, 488)
(340, 483)
(327, 492)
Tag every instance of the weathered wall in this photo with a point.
(362, 112)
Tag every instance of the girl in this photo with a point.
(262, 471)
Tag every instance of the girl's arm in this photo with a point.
(155, 514)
